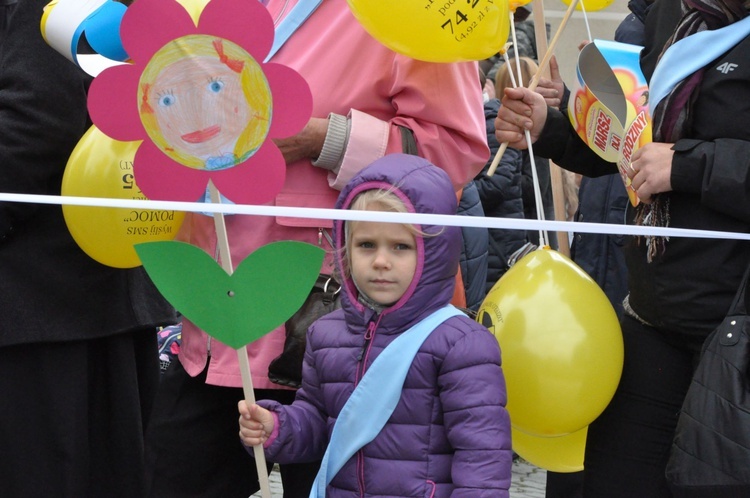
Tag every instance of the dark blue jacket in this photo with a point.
(475, 249)
(602, 200)
(502, 197)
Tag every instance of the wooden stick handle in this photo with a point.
(247, 379)
(260, 457)
(496, 160)
(540, 27)
(551, 50)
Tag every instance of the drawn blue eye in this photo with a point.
(167, 100)
(215, 86)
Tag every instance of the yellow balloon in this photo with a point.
(102, 167)
(514, 4)
(561, 343)
(194, 8)
(590, 5)
(436, 30)
(558, 454)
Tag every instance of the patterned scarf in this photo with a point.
(672, 117)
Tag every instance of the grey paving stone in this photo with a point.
(528, 482)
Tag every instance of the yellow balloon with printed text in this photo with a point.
(561, 343)
(436, 30)
(100, 166)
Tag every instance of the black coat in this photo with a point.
(689, 288)
(50, 290)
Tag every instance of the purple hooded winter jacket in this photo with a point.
(450, 433)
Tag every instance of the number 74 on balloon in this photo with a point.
(436, 30)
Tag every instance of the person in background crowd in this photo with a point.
(693, 175)
(78, 363)
(525, 45)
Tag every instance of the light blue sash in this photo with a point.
(371, 404)
(690, 54)
(291, 23)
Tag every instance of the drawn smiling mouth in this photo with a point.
(199, 136)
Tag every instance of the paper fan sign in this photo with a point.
(609, 104)
(87, 33)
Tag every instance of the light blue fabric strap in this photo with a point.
(690, 54)
(374, 399)
(291, 23)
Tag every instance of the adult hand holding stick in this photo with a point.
(527, 104)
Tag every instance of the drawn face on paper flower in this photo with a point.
(205, 102)
(201, 101)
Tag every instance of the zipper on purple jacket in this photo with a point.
(365, 351)
(362, 359)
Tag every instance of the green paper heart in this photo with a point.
(267, 287)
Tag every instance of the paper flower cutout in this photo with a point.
(267, 287)
(201, 101)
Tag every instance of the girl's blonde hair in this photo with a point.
(503, 80)
(374, 200)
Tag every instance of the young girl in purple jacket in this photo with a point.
(447, 432)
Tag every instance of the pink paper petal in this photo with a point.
(249, 25)
(256, 181)
(161, 178)
(149, 24)
(290, 115)
(113, 114)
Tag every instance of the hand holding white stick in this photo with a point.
(535, 80)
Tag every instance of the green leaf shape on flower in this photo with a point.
(267, 287)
